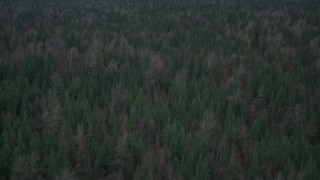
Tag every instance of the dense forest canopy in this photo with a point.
(160, 89)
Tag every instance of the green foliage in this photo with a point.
(159, 89)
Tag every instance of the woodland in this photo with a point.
(159, 89)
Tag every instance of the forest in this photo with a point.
(159, 89)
